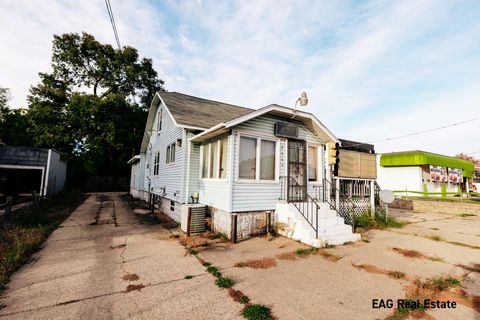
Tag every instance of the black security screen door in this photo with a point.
(297, 170)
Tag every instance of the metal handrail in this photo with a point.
(307, 206)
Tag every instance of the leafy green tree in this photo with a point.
(94, 103)
(13, 122)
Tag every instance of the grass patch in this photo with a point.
(468, 215)
(188, 277)
(216, 235)
(434, 229)
(377, 221)
(257, 312)
(409, 253)
(303, 252)
(130, 277)
(435, 258)
(214, 271)
(430, 288)
(206, 264)
(366, 240)
(287, 256)
(435, 237)
(396, 274)
(24, 232)
(263, 263)
(224, 282)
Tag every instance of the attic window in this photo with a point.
(159, 121)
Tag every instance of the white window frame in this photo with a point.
(156, 164)
(159, 120)
(214, 144)
(170, 154)
(257, 163)
(319, 161)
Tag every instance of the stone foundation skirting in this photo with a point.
(436, 206)
(249, 224)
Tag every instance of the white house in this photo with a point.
(247, 168)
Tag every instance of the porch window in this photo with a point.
(267, 160)
(312, 163)
(213, 160)
(205, 161)
(248, 158)
(223, 158)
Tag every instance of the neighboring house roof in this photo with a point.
(306, 118)
(191, 111)
(357, 146)
(416, 158)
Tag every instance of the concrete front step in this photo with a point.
(331, 228)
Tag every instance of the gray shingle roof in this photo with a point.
(197, 112)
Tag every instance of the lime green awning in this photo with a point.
(417, 158)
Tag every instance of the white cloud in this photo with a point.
(371, 69)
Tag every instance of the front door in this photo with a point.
(297, 170)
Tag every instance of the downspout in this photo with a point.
(187, 183)
(47, 175)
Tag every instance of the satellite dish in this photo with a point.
(387, 196)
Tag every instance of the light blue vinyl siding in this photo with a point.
(171, 175)
(194, 169)
(253, 196)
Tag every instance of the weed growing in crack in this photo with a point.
(130, 277)
(214, 271)
(396, 274)
(263, 263)
(257, 312)
(305, 252)
(435, 237)
(224, 282)
(188, 277)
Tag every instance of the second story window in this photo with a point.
(170, 155)
(159, 121)
(156, 164)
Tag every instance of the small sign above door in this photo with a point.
(286, 130)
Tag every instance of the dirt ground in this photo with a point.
(105, 263)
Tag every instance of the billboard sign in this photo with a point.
(438, 174)
(455, 175)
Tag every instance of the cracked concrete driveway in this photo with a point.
(80, 272)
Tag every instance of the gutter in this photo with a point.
(212, 129)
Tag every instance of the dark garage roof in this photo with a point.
(201, 113)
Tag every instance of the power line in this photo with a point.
(469, 154)
(418, 132)
(112, 21)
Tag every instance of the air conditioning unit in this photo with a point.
(193, 219)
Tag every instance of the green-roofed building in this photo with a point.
(423, 171)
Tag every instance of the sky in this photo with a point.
(371, 69)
